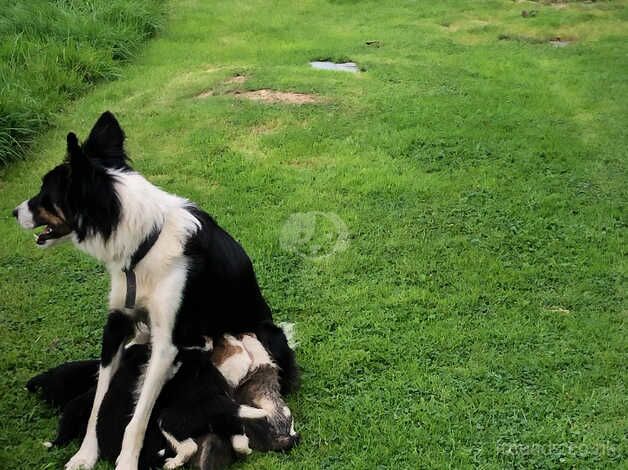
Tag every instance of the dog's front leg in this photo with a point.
(161, 360)
(163, 304)
(118, 328)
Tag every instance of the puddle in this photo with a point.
(272, 96)
(328, 65)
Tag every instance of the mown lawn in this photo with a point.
(477, 315)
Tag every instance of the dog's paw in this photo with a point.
(172, 462)
(82, 460)
(126, 462)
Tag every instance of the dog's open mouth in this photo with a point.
(51, 232)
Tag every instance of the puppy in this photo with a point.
(261, 389)
(200, 401)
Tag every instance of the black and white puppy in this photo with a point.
(261, 389)
(170, 265)
(198, 401)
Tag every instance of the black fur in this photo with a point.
(222, 295)
(73, 422)
(63, 383)
(197, 400)
(105, 143)
(221, 292)
(118, 328)
(117, 408)
(213, 453)
(80, 192)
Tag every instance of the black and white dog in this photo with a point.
(171, 267)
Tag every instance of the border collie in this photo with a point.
(170, 265)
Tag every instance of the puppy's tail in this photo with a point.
(249, 412)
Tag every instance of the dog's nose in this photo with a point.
(14, 212)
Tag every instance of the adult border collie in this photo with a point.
(171, 266)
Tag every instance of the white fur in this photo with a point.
(25, 216)
(265, 404)
(87, 454)
(235, 367)
(240, 443)
(257, 352)
(161, 277)
(184, 450)
(142, 335)
(250, 412)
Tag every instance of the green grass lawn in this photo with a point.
(476, 318)
(52, 51)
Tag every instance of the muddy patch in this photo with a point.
(266, 95)
(338, 67)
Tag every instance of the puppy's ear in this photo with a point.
(106, 141)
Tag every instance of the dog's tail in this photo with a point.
(249, 412)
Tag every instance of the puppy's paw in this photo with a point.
(172, 462)
(240, 443)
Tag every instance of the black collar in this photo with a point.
(131, 282)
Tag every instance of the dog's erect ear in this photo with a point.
(75, 154)
(106, 142)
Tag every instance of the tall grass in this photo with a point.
(52, 51)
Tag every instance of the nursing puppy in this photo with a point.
(253, 376)
(261, 389)
(229, 357)
(200, 402)
(170, 265)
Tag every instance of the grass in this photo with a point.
(53, 51)
(476, 318)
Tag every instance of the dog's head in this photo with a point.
(78, 197)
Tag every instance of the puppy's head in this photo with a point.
(78, 197)
(257, 351)
(231, 359)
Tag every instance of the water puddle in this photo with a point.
(328, 65)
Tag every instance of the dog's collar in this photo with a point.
(131, 281)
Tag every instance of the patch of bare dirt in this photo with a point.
(273, 96)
